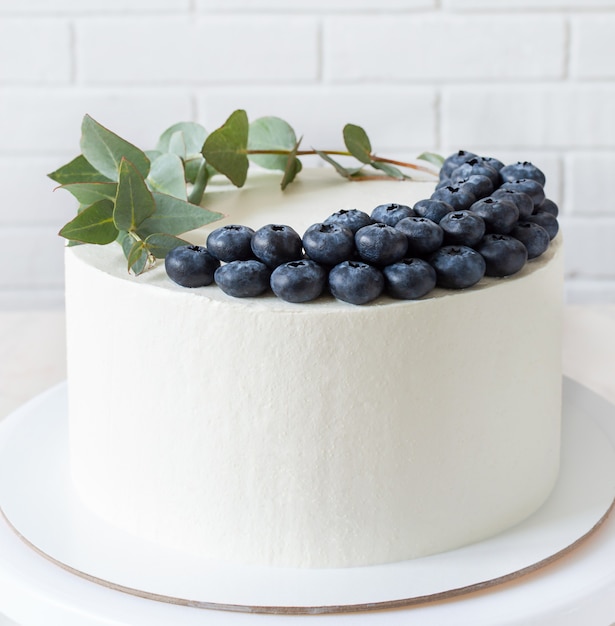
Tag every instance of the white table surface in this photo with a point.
(32, 344)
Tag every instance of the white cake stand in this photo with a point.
(61, 565)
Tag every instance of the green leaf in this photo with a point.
(160, 244)
(358, 143)
(92, 225)
(167, 176)
(134, 202)
(271, 133)
(192, 166)
(137, 257)
(431, 157)
(193, 137)
(225, 148)
(88, 193)
(78, 170)
(177, 145)
(389, 169)
(340, 169)
(152, 155)
(293, 166)
(200, 182)
(105, 150)
(174, 217)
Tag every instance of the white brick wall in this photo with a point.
(531, 79)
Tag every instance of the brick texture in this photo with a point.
(515, 79)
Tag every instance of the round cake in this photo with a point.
(324, 434)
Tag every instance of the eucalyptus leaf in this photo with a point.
(174, 217)
(167, 176)
(225, 148)
(79, 170)
(432, 157)
(346, 172)
(200, 182)
(92, 225)
(134, 202)
(192, 165)
(105, 150)
(177, 144)
(88, 193)
(160, 244)
(357, 142)
(293, 166)
(193, 136)
(389, 169)
(271, 133)
(152, 155)
(137, 257)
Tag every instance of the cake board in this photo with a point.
(328, 590)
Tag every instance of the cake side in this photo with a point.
(322, 435)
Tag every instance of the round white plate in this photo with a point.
(37, 500)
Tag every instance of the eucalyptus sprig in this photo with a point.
(144, 200)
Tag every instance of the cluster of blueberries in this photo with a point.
(484, 218)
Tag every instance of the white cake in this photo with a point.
(323, 434)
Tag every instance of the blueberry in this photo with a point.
(424, 236)
(329, 244)
(499, 215)
(391, 213)
(493, 162)
(462, 228)
(381, 244)
(455, 160)
(549, 206)
(458, 197)
(481, 186)
(504, 255)
(534, 237)
(433, 210)
(298, 281)
(243, 279)
(519, 170)
(352, 219)
(231, 243)
(521, 200)
(356, 282)
(191, 266)
(275, 244)
(457, 267)
(409, 279)
(526, 185)
(547, 221)
(476, 166)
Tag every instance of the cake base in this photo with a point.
(33, 447)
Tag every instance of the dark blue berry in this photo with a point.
(352, 219)
(496, 164)
(381, 244)
(458, 197)
(356, 282)
(548, 206)
(275, 244)
(424, 236)
(191, 266)
(534, 237)
(521, 200)
(481, 186)
(547, 221)
(526, 185)
(476, 167)
(433, 210)
(453, 161)
(231, 243)
(499, 215)
(391, 213)
(329, 244)
(457, 267)
(243, 279)
(409, 279)
(522, 169)
(463, 228)
(298, 281)
(504, 255)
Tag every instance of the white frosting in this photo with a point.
(315, 435)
